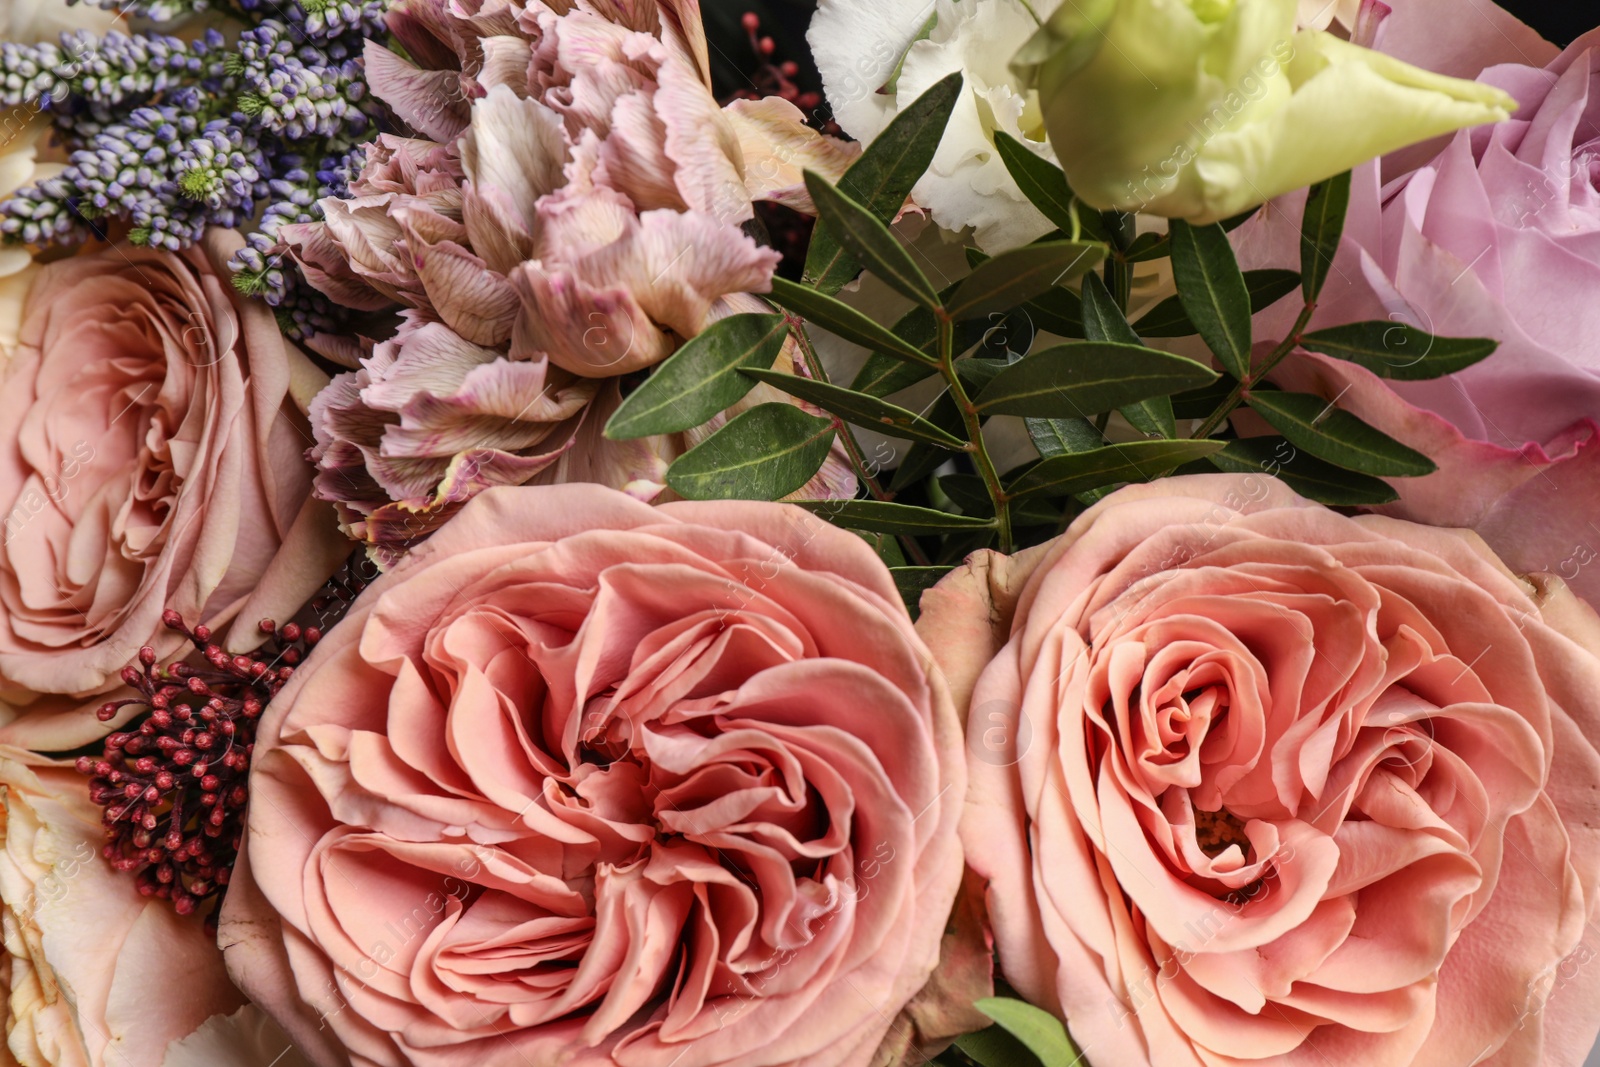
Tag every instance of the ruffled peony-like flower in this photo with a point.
(1254, 782)
(150, 456)
(587, 782)
(572, 211)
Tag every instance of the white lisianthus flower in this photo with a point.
(877, 58)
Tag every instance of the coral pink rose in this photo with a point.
(1256, 782)
(150, 458)
(591, 782)
(1495, 233)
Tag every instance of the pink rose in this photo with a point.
(95, 974)
(587, 781)
(1496, 235)
(150, 458)
(1256, 782)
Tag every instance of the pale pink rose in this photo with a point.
(571, 212)
(1254, 782)
(1495, 233)
(150, 458)
(591, 782)
(94, 974)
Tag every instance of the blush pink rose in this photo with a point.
(1258, 783)
(591, 782)
(1493, 233)
(150, 458)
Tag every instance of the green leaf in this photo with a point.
(881, 517)
(1314, 424)
(1148, 246)
(1266, 287)
(766, 453)
(1320, 229)
(1045, 186)
(1304, 473)
(921, 460)
(1201, 402)
(993, 1047)
(1016, 277)
(881, 375)
(700, 379)
(1136, 461)
(869, 241)
(841, 319)
(1042, 1032)
(858, 408)
(1213, 292)
(887, 546)
(914, 581)
(1399, 352)
(1061, 437)
(969, 492)
(1103, 321)
(1084, 378)
(882, 177)
(1059, 312)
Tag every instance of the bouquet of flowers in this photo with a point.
(909, 533)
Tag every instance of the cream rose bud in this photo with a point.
(151, 457)
(94, 974)
(1201, 109)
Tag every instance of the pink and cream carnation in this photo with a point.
(571, 211)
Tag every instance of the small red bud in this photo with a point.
(291, 631)
(172, 620)
(751, 21)
(147, 656)
(202, 633)
(130, 676)
(767, 46)
(267, 626)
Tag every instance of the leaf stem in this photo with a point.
(847, 436)
(1276, 356)
(974, 425)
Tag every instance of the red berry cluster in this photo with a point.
(777, 79)
(173, 787)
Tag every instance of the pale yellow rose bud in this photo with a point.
(1201, 109)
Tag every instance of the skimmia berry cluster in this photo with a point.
(166, 136)
(173, 782)
(174, 785)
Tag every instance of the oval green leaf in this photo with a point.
(882, 177)
(841, 319)
(877, 516)
(1045, 186)
(859, 408)
(1013, 278)
(1042, 1032)
(1320, 229)
(1084, 378)
(1103, 321)
(1307, 475)
(1135, 461)
(1213, 292)
(764, 454)
(1329, 433)
(869, 241)
(700, 379)
(1168, 319)
(1399, 352)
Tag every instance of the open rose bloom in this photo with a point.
(1254, 782)
(590, 782)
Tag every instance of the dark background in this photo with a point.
(1559, 20)
(785, 21)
